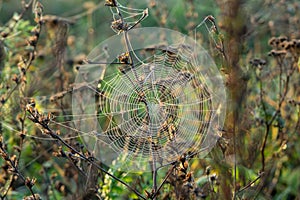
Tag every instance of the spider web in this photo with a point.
(168, 102)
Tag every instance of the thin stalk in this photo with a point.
(163, 182)
(154, 175)
(16, 171)
(55, 136)
(249, 184)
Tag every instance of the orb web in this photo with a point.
(169, 101)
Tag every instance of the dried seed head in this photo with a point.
(293, 102)
(210, 18)
(4, 34)
(207, 170)
(258, 62)
(119, 26)
(277, 53)
(182, 158)
(148, 194)
(172, 131)
(2, 99)
(111, 3)
(31, 197)
(15, 78)
(189, 177)
(32, 41)
(282, 38)
(53, 176)
(152, 3)
(35, 31)
(297, 44)
(285, 45)
(124, 58)
(38, 11)
(30, 182)
(60, 187)
(272, 41)
(23, 135)
(181, 175)
(185, 164)
(213, 177)
(17, 148)
(4, 155)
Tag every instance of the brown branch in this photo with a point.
(43, 122)
(15, 170)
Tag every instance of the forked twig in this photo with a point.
(163, 182)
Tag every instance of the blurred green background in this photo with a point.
(263, 99)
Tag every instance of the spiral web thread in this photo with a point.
(160, 107)
(148, 112)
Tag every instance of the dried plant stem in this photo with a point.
(51, 133)
(28, 61)
(15, 170)
(249, 184)
(154, 175)
(127, 41)
(235, 163)
(263, 148)
(164, 181)
(8, 95)
(268, 124)
(125, 35)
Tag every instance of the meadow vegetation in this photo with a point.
(256, 47)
